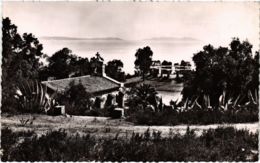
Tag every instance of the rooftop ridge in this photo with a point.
(92, 84)
(66, 79)
(78, 77)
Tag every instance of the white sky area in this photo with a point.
(215, 22)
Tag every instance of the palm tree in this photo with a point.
(145, 94)
(96, 63)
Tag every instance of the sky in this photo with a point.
(208, 21)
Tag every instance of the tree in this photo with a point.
(168, 72)
(231, 69)
(143, 60)
(62, 63)
(185, 74)
(96, 64)
(185, 63)
(114, 70)
(76, 99)
(143, 95)
(20, 60)
(82, 67)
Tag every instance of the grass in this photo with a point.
(99, 126)
(164, 85)
(220, 144)
(200, 117)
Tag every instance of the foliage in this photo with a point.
(143, 60)
(195, 110)
(96, 64)
(219, 144)
(9, 139)
(113, 70)
(24, 122)
(32, 97)
(76, 99)
(185, 74)
(64, 64)
(60, 63)
(166, 63)
(21, 57)
(170, 116)
(234, 69)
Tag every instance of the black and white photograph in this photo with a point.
(130, 81)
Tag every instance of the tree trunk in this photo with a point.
(177, 75)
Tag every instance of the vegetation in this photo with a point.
(191, 111)
(213, 145)
(233, 70)
(31, 97)
(21, 57)
(23, 61)
(222, 89)
(96, 64)
(79, 102)
(166, 63)
(142, 96)
(76, 99)
(64, 64)
(185, 74)
(143, 60)
(113, 70)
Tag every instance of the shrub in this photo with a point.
(203, 117)
(76, 99)
(31, 96)
(10, 140)
(221, 144)
(234, 69)
(195, 110)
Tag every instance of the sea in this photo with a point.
(170, 50)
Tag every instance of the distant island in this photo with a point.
(79, 38)
(173, 39)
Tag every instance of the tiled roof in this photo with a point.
(92, 84)
(133, 81)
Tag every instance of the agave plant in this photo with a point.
(32, 96)
(224, 102)
(206, 100)
(144, 94)
(189, 105)
(234, 104)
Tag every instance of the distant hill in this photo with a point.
(173, 39)
(79, 38)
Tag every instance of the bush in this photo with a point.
(195, 110)
(10, 139)
(202, 117)
(221, 144)
(166, 117)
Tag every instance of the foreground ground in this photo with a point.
(101, 126)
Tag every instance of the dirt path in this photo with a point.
(101, 126)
